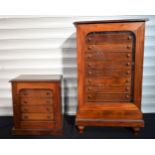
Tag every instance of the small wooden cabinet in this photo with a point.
(110, 67)
(37, 104)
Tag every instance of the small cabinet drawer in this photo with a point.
(107, 88)
(108, 56)
(108, 97)
(109, 37)
(36, 101)
(36, 93)
(37, 116)
(109, 72)
(36, 109)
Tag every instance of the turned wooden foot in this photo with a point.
(81, 129)
(136, 130)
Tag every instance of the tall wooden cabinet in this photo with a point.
(110, 67)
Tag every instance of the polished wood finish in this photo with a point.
(110, 67)
(37, 105)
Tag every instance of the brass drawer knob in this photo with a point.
(89, 88)
(128, 47)
(47, 101)
(89, 47)
(25, 102)
(90, 72)
(48, 109)
(89, 39)
(129, 37)
(128, 72)
(89, 81)
(127, 96)
(127, 88)
(48, 117)
(26, 117)
(24, 110)
(128, 64)
(128, 55)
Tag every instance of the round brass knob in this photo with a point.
(25, 102)
(128, 72)
(127, 88)
(89, 81)
(129, 37)
(128, 47)
(128, 64)
(90, 72)
(24, 109)
(89, 47)
(89, 96)
(89, 39)
(26, 117)
(128, 55)
(89, 88)
(127, 96)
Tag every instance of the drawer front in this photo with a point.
(107, 88)
(37, 109)
(37, 117)
(109, 37)
(109, 72)
(35, 93)
(108, 65)
(108, 97)
(36, 101)
(108, 56)
(108, 47)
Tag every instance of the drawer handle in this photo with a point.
(127, 88)
(128, 72)
(128, 47)
(24, 110)
(129, 37)
(48, 109)
(25, 102)
(127, 96)
(128, 55)
(128, 64)
(48, 117)
(90, 72)
(89, 39)
(89, 48)
(26, 117)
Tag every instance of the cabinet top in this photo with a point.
(36, 78)
(111, 21)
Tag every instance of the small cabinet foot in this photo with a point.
(81, 129)
(136, 130)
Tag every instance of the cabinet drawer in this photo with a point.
(36, 101)
(37, 124)
(36, 109)
(110, 48)
(110, 64)
(108, 80)
(108, 97)
(37, 116)
(109, 72)
(108, 56)
(36, 93)
(107, 88)
(109, 37)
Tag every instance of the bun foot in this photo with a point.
(136, 130)
(81, 129)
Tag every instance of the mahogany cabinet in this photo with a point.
(37, 105)
(110, 68)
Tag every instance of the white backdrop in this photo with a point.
(47, 45)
